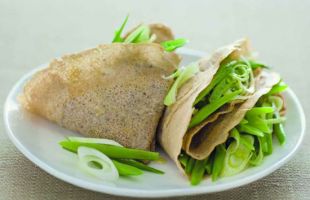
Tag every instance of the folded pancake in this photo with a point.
(114, 91)
(197, 130)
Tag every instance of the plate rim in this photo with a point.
(148, 193)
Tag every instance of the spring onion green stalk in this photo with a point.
(140, 165)
(218, 163)
(210, 108)
(140, 35)
(112, 151)
(118, 32)
(93, 140)
(278, 88)
(209, 165)
(234, 80)
(126, 170)
(172, 45)
(189, 166)
(258, 154)
(198, 171)
(182, 75)
(255, 64)
(279, 130)
(250, 130)
(97, 164)
(183, 158)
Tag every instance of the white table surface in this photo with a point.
(33, 32)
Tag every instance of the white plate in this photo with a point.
(38, 140)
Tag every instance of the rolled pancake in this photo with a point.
(173, 132)
(114, 91)
(200, 141)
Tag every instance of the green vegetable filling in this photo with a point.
(142, 34)
(249, 142)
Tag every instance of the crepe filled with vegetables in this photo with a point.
(214, 117)
(222, 113)
(114, 91)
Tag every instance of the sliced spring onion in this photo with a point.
(255, 64)
(279, 130)
(278, 88)
(140, 165)
(218, 77)
(139, 35)
(250, 130)
(126, 170)
(238, 160)
(207, 110)
(258, 155)
(183, 158)
(259, 111)
(184, 75)
(96, 163)
(234, 80)
(198, 171)
(93, 140)
(118, 32)
(112, 151)
(172, 45)
(218, 163)
(209, 165)
(190, 165)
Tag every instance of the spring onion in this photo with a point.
(126, 170)
(183, 158)
(181, 75)
(189, 166)
(93, 140)
(140, 165)
(234, 80)
(172, 45)
(198, 171)
(112, 151)
(218, 163)
(235, 161)
(118, 32)
(278, 88)
(97, 164)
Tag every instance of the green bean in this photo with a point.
(112, 151)
(140, 165)
(198, 171)
(250, 130)
(207, 110)
(218, 163)
(126, 170)
(190, 165)
(183, 158)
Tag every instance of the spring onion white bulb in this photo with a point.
(97, 164)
